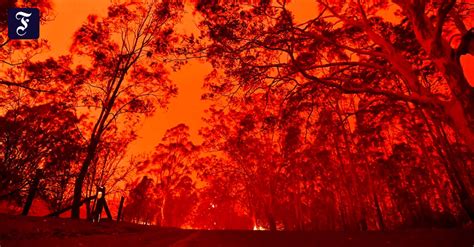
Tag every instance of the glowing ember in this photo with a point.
(259, 228)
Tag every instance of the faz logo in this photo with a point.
(23, 23)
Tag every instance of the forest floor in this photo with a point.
(39, 231)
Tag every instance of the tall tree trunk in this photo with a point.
(76, 204)
(99, 128)
(460, 109)
(162, 210)
(359, 203)
(298, 211)
(381, 222)
(349, 217)
(32, 192)
(271, 221)
(460, 183)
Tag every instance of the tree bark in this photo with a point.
(460, 109)
(76, 205)
(32, 192)
(381, 222)
(271, 222)
(119, 214)
(162, 210)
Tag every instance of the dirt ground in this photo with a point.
(39, 231)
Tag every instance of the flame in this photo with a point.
(259, 228)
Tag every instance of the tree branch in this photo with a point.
(25, 86)
(443, 11)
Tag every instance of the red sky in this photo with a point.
(187, 106)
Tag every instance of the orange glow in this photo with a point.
(187, 107)
(331, 125)
(259, 228)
